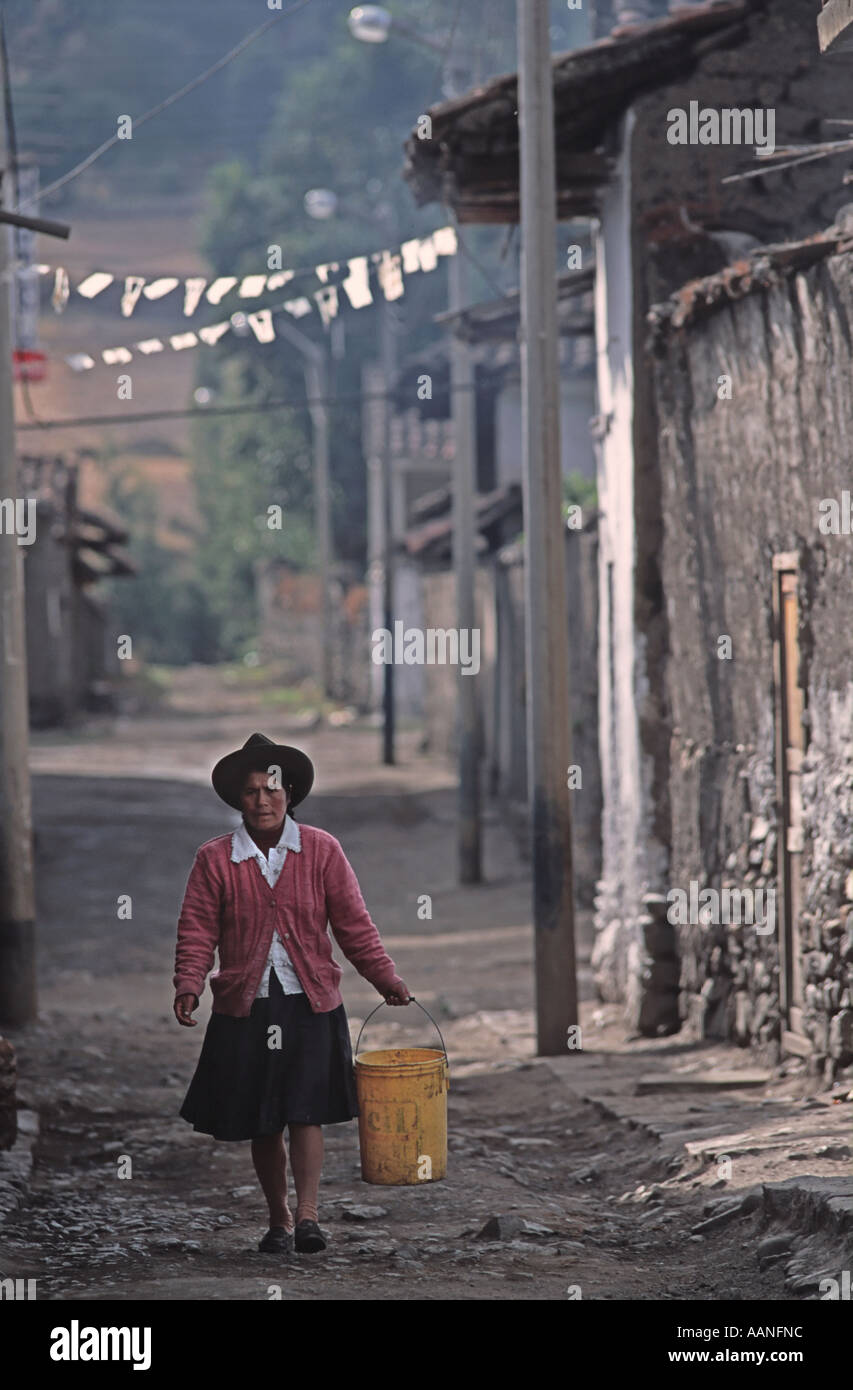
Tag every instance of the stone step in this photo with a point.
(667, 1083)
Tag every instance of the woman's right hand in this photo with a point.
(185, 1005)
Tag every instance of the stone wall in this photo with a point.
(742, 481)
(667, 217)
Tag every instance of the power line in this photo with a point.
(169, 101)
(200, 413)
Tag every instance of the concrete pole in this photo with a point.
(389, 336)
(547, 695)
(17, 903)
(371, 386)
(317, 381)
(463, 403)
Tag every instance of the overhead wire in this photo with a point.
(167, 102)
(202, 412)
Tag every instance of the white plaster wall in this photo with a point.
(621, 888)
(577, 406)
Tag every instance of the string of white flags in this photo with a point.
(418, 254)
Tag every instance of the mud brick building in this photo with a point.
(72, 661)
(664, 216)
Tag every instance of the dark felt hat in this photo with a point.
(259, 754)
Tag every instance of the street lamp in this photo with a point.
(370, 23)
(320, 203)
(373, 24)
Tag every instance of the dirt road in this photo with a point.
(126, 1201)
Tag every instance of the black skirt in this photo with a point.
(250, 1082)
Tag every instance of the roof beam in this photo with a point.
(835, 26)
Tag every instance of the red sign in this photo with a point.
(29, 366)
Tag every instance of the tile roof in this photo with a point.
(471, 160)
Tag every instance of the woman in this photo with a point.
(277, 1049)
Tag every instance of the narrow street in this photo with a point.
(106, 1066)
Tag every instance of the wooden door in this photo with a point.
(789, 757)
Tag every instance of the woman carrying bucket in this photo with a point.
(277, 1050)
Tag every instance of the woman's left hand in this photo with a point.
(400, 995)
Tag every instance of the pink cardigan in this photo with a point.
(230, 906)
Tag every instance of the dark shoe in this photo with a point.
(277, 1241)
(309, 1238)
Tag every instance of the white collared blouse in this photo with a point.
(244, 847)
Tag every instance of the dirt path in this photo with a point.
(106, 1066)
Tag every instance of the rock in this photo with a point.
(833, 1151)
(8, 1105)
(247, 1191)
(501, 1228)
(721, 1218)
(841, 1037)
(532, 1228)
(776, 1245)
(363, 1213)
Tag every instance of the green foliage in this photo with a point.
(340, 123)
(244, 466)
(579, 491)
(164, 607)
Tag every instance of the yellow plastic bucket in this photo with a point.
(402, 1112)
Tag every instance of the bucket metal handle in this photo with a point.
(412, 1000)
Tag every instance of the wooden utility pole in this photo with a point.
(464, 410)
(17, 904)
(547, 694)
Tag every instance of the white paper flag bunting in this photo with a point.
(261, 325)
(133, 285)
(61, 290)
(427, 254)
(158, 288)
(390, 276)
(414, 255)
(213, 332)
(357, 283)
(279, 279)
(297, 307)
(327, 303)
(220, 288)
(444, 241)
(252, 285)
(94, 284)
(193, 290)
(410, 251)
